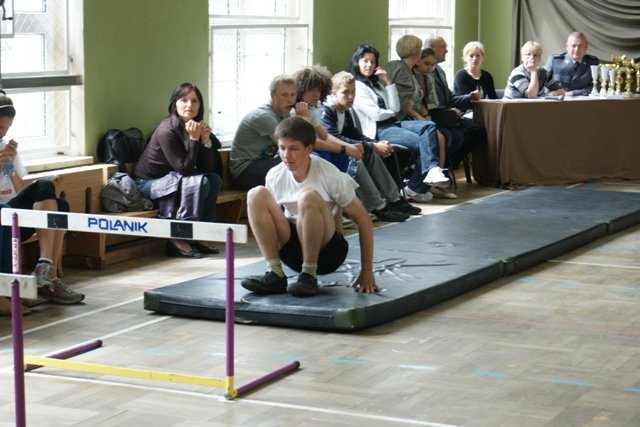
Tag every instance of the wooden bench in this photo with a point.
(80, 186)
(96, 251)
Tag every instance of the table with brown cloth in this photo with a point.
(538, 142)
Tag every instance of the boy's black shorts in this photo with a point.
(330, 259)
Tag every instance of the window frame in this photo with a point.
(419, 25)
(67, 79)
(303, 19)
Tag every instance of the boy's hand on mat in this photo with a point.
(366, 283)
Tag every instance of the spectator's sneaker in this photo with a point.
(59, 293)
(443, 193)
(436, 178)
(403, 206)
(417, 197)
(45, 272)
(306, 285)
(388, 214)
(269, 283)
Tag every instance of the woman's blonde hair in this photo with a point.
(408, 45)
(471, 46)
(531, 47)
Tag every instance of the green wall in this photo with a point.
(135, 54)
(466, 29)
(137, 51)
(339, 26)
(496, 34)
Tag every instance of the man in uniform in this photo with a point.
(573, 67)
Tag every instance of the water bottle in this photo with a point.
(352, 168)
(218, 127)
(8, 169)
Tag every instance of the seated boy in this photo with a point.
(307, 234)
(378, 191)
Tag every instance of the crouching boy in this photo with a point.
(296, 218)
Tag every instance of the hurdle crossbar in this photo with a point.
(130, 226)
(112, 224)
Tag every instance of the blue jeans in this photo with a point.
(420, 137)
(209, 190)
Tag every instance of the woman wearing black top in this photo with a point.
(472, 76)
(183, 146)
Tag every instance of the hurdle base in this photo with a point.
(249, 387)
(69, 352)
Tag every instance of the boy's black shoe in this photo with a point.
(269, 283)
(403, 206)
(389, 214)
(306, 285)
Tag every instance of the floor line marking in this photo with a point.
(68, 319)
(241, 400)
(134, 327)
(112, 334)
(553, 326)
(595, 264)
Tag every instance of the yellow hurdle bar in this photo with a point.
(129, 372)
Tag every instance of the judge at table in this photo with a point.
(572, 69)
(530, 80)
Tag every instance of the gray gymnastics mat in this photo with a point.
(421, 262)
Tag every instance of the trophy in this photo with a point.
(637, 67)
(628, 81)
(594, 77)
(618, 80)
(604, 76)
(612, 80)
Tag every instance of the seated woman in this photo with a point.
(39, 195)
(472, 77)
(405, 75)
(530, 80)
(182, 148)
(377, 104)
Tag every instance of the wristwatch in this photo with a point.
(208, 144)
(343, 149)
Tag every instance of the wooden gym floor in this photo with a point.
(558, 345)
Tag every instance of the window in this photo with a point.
(252, 41)
(36, 73)
(421, 18)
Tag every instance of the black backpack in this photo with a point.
(121, 146)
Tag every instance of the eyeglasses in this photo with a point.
(535, 55)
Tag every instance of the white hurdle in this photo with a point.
(113, 224)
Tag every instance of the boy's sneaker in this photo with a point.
(436, 178)
(306, 285)
(443, 193)
(269, 283)
(418, 197)
(388, 214)
(45, 272)
(58, 293)
(403, 206)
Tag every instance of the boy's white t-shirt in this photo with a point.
(337, 189)
(7, 191)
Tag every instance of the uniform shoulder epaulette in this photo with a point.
(559, 55)
(593, 58)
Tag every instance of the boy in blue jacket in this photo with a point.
(341, 121)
